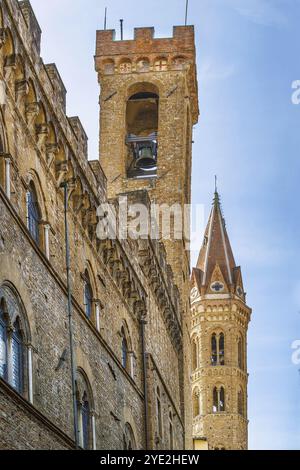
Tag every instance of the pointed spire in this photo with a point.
(216, 249)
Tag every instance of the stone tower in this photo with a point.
(220, 319)
(148, 106)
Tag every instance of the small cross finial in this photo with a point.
(216, 184)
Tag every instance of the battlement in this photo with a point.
(144, 42)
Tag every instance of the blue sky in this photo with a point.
(249, 135)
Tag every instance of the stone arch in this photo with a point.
(19, 312)
(108, 66)
(179, 62)
(142, 64)
(128, 418)
(32, 177)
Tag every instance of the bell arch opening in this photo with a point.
(142, 115)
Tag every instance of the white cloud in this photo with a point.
(262, 12)
(210, 70)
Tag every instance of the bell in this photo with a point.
(146, 160)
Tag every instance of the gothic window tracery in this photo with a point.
(218, 349)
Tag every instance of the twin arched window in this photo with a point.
(12, 341)
(84, 411)
(218, 349)
(218, 399)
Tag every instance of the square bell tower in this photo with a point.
(148, 106)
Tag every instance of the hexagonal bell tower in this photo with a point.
(220, 319)
(148, 106)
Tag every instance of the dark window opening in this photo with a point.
(142, 135)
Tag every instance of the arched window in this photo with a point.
(240, 353)
(13, 334)
(33, 214)
(218, 399)
(88, 296)
(196, 403)
(17, 358)
(221, 349)
(171, 434)
(84, 410)
(240, 400)
(124, 346)
(194, 354)
(218, 349)
(142, 131)
(129, 439)
(159, 413)
(3, 345)
(214, 350)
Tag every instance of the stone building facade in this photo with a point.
(220, 318)
(130, 298)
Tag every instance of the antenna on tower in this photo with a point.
(186, 12)
(105, 19)
(121, 27)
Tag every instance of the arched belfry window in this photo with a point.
(241, 352)
(218, 399)
(196, 403)
(218, 349)
(33, 214)
(240, 401)
(14, 338)
(195, 348)
(88, 296)
(84, 411)
(142, 132)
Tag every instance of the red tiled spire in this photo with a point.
(216, 249)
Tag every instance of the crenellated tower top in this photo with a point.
(145, 53)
